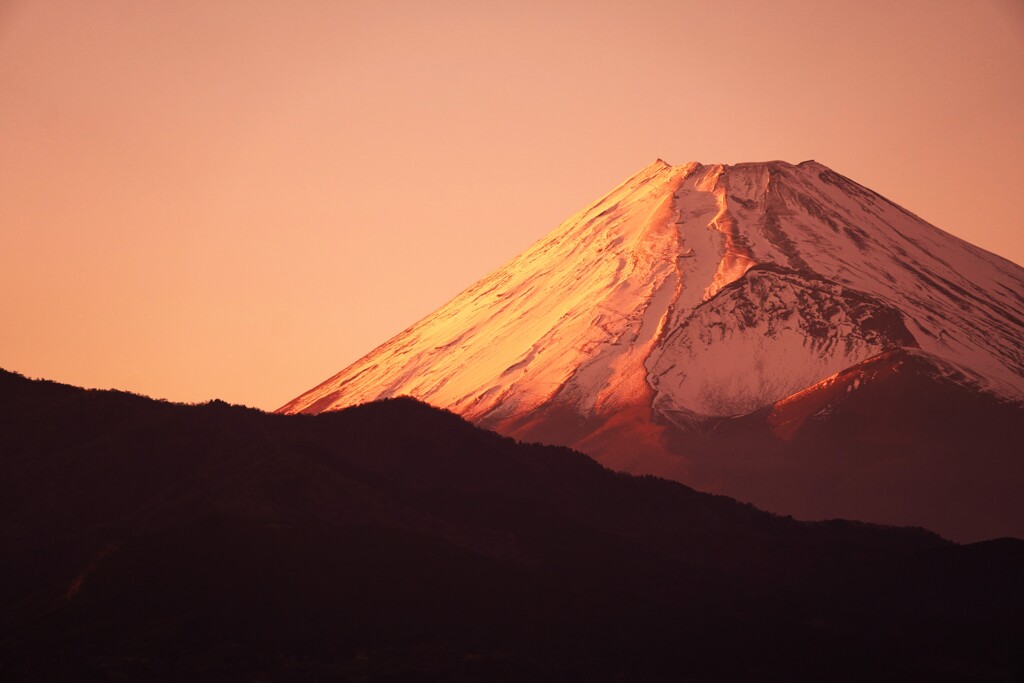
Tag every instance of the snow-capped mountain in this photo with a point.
(700, 294)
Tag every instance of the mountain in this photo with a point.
(742, 329)
(146, 540)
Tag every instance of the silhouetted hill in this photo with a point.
(146, 540)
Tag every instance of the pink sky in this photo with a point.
(236, 200)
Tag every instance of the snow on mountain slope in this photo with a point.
(766, 336)
(707, 290)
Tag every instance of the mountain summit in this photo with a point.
(718, 324)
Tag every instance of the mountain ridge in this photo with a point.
(395, 541)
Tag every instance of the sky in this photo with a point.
(206, 199)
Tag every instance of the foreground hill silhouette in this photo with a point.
(145, 540)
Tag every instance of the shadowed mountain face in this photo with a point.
(151, 541)
(694, 296)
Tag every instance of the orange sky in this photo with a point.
(237, 199)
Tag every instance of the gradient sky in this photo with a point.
(207, 199)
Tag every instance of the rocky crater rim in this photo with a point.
(773, 163)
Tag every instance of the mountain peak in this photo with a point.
(588, 312)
